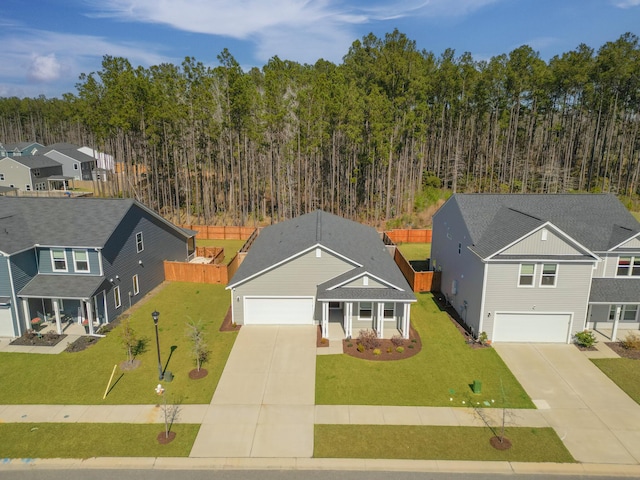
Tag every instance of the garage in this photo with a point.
(278, 310)
(6, 319)
(532, 327)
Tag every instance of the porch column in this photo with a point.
(27, 313)
(350, 319)
(616, 319)
(406, 321)
(380, 319)
(56, 311)
(325, 319)
(87, 303)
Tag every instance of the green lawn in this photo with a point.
(637, 215)
(231, 247)
(415, 251)
(86, 440)
(437, 443)
(624, 372)
(81, 378)
(439, 375)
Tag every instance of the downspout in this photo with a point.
(14, 298)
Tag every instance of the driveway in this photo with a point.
(596, 420)
(264, 403)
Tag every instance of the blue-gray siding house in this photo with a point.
(538, 268)
(80, 259)
(320, 268)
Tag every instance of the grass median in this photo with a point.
(86, 440)
(437, 443)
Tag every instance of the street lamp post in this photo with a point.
(155, 316)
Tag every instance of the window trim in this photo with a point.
(554, 276)
(75, 261)
(385, 310)
(634, 264)
(139, 242)
(623, 309)
(64, 258)
(136, 284)
(116, 296)
(532, 275)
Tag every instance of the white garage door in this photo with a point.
(278, 311)
(532, 327)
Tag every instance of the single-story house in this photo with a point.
(538, 268)
(82, 260)
(320, 268)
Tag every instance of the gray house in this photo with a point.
(83, 260)
(75, 164)
(538, 268)
(320, 268)
(32, 173)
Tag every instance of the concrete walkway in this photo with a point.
(596, 420)
(264, 403)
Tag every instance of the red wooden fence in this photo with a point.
(419, 281)
(409, 236)
(221, 233)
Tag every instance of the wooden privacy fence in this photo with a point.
(409, 236)
(195, 272)
(216, 254)
(211, 232)
(419, 281)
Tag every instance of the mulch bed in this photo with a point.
(44, 340)
(163, 439)
(505, 444)
(582, 348)
(227, 324)
(412, 347)
(81, 344)
(624, 352)
(457, 322)
(196, 374)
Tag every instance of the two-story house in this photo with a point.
(75, 164)
(20, 149)
(31, 173)
(80, 259)
(538, 268)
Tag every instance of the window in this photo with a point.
(59, 260)
(139, 242)
(75, 166)
(27, 187)
(36, 172)
(1, 176)
(334, 305)
(116, 296)
(549, 273)
(628, 266)
(389, 310)
(81, 260)
(527, 271)
(136, 285)
(628, 313)
(365, 310)
(459, 248)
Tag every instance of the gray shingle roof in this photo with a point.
(360, 293)
(615, 290)
(358, 243)
(69, 150)
(71, 222)
(62, 286)
(597, 221)
(37, 161)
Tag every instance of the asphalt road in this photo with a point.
(78, 474)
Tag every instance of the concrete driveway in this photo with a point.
(264, 403)
(596, 420)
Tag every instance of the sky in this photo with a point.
(46, 44)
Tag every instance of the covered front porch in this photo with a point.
(80, 301)
(614, 306)
(387, 319)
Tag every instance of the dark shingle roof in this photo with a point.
(37, 161)
(62, 286)
(329, 291)
(599, 222)
(615, 290)
(360, 244)
(80, 222)
(70, 151)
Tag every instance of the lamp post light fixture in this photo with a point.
(155, 316)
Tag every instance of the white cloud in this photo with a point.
(44, 68)
(626, 3)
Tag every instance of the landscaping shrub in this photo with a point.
(483, 338)
(349, 344)
(376, 351)
(397, 341)
(586, 338)
(631, 341)
(360, 348)
(369, 339)
(411, 345)
(399, 349)
(389, 349)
